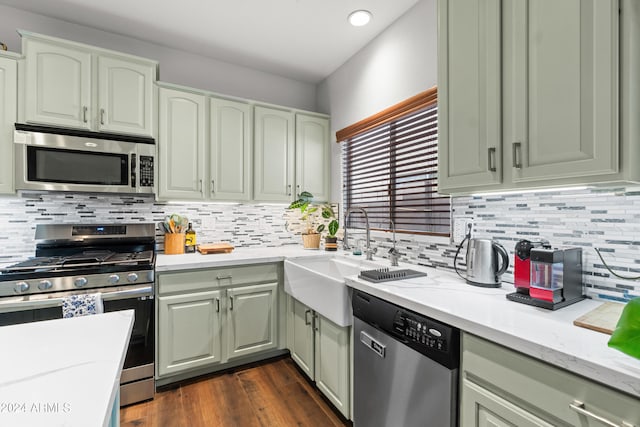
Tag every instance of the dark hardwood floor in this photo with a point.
(270, 394)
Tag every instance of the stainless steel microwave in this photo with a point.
(55, 159)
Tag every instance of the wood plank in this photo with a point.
(270, 394)
(603, 318)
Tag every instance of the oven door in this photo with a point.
(137, 376)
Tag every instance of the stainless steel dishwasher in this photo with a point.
(405, 366)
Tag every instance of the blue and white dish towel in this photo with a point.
(82, 305)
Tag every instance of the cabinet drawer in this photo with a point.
(211, 278)
(541, 389)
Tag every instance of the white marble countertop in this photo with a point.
(63, 372)
(546, 335)
(238, 256)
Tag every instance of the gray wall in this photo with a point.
(399, 63)
(176, 66)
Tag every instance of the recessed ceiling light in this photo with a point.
(359, 18)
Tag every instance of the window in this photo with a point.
(390, 168)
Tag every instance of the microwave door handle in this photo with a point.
(132, 162)
(39, 302)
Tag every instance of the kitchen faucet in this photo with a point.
(345, 243)
(394, 254)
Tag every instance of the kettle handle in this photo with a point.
(505, 257)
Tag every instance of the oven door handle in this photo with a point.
(42, 301)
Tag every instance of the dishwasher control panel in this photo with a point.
(421, 332)
(430, 337)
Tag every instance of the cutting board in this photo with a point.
(602, 318)
(215, 248)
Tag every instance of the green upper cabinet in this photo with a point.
(561, 88)
(274, 154)
(469, 94)
(8, 106)
(230, 154)
(313, 157)
(181, 144)
(57, 84)
(529, 94)
(125, 96)
(73, 85)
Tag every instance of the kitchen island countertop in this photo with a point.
(63, 372)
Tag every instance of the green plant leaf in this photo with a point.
(320, 228)
(333, 228)
(313, 209)
(327, 212)
(306, 195)
(303, 206)
(626, 337)
(296, 204)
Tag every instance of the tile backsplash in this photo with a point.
(241, 225)
(604, 218)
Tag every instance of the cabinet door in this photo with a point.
(57, 84)
(188, 331)
(181, 142)
(274, 155)
(230, 150)
(561, 87)
(252, 319)
(125, 96)
(313, 161)
(332, 363)
(481, 408)
(8, 103)
(301, 336)
(469, 94)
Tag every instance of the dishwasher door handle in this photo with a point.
(375, 346)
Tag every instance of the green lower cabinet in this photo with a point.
(321, 349)
(191, 333)
(501, 387)
(252, 319)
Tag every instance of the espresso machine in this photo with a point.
(555, 278)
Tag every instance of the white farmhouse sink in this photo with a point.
(318, 282)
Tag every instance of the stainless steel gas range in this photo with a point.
(115, 260)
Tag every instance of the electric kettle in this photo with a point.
(482, 262)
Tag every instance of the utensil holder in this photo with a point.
(174, 243)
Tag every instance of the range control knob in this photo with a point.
(80, 282)
(44, 285)
(132, 277)
(21, 287)
(113, 279)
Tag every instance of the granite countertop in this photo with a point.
(63, 372)
(546, 335)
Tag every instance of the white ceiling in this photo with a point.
(301, 39)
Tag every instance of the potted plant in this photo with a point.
(312, 218)
(331, 241)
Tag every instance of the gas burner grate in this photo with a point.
(386, 275)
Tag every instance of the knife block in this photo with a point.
(174, 243)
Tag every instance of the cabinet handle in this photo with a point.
(315, 322)
(289, 190)
(579, 407)
(102, 116)
(517, 155)
(298, 191)
(217, 305)
(228, 276)
(200, 185)
(213, 187)
(492, 159)
(306, 318)
(230, 302)
(84, 114)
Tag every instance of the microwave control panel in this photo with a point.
(146, 171)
